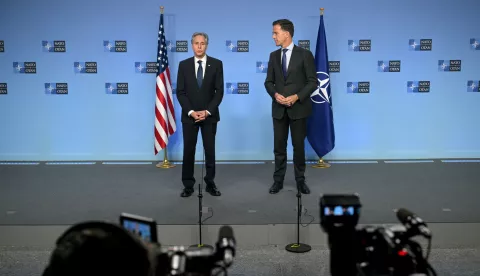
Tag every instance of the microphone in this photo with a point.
(226, 245)
(413, 223)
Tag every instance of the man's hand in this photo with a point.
(281, 99)
(291, 100)
(288, 101)
(196, 115)
(200, 115)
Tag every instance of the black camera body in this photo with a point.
(179, 260)
(369, 250)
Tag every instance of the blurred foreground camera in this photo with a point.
(98, 248)
(179, 260)
(372, 250)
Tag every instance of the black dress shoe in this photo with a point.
(276, 187)
(187, 192)
(212, 189)
(303, 188)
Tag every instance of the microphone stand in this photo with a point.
(200, 207)
(298, 247)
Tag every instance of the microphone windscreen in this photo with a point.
(226, 232)
(403, 214)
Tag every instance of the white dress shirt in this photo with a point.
(204, 65)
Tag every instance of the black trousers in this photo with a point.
(298, 128)
(190, 134)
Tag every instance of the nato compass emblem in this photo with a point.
(320, 95)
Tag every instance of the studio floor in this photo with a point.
(59, 194)
(38, 200)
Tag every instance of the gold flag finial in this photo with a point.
(321, 11)
(161, 9)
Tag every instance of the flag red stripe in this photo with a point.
(159, 116)
(166, 100)
(160, 93)
(159, 139)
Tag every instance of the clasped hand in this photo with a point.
(199, 116)
(287, 101)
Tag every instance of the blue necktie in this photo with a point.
(284, 63)
(199, 74)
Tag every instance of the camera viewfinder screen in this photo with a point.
(339, 211)
(142, 230)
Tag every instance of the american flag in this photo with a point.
(164, 112)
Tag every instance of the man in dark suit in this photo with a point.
(291, 78)
(200, 92)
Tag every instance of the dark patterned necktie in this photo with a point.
(284, 63)
(199, 74)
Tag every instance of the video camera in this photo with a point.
(178, 260)
(372, 251)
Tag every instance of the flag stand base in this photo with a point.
(321, 165)
(165, 164)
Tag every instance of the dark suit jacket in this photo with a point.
(301, 80)
(208, 97)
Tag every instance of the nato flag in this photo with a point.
(320, 129)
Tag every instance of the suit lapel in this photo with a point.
(207, 69)
(278, 59)
(191, 67)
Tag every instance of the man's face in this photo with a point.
(279, 35)
(199, 46)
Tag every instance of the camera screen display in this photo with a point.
(339, 211)
(141, 229)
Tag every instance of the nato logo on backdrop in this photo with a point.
(472, 86)
(358, 87)
(54, 46)
(474, 44)
(25, 67)
(116, 88)
(388, 66)
(360, 45)
(115, 46)
(418, 86)
(450, 65)
(2, 46)
(334, 66)
(3, 89)
(238, 45)
(305, 44)
(85, 67)
(262, 66)
(420, 44)
(238, 88)
(146, 67)
(58, 88)
(179, 46)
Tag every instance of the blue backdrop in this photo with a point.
(91, 123)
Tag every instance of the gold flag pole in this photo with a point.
(166, 164)
(321, 164)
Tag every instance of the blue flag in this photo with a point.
(320, 130)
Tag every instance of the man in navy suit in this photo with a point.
(200, 91)
(291, 79)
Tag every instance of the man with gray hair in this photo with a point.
(200, 92)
